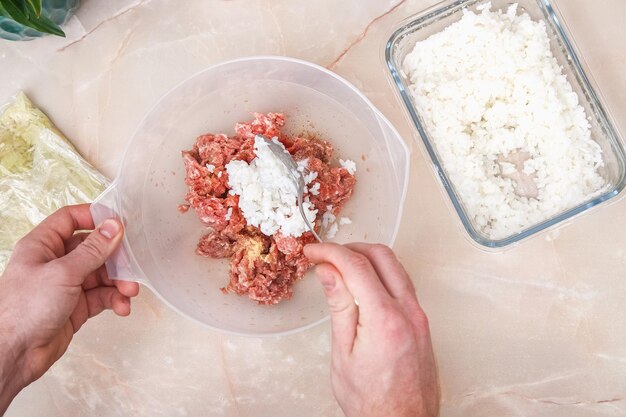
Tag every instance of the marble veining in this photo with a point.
(535, 331)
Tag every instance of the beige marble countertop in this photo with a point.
(537, 331)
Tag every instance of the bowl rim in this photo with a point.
(144, 280)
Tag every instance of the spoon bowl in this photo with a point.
(285, 157)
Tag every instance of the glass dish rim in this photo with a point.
(554, 19)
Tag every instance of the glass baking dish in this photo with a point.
(440, 16)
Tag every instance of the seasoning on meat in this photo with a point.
(262, 267)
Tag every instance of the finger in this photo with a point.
(98, 278)
(106, 298)
(355, 269)
(80, 314)
(344, 314)
(65, 221)
(91, 254)
(395, 278)
(391, 272)
(127, 288)
(47, 241)
(73, 242)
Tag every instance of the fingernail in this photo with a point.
(110, 228)
(328, 281)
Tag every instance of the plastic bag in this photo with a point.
(40, 171)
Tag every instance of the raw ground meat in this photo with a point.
(262, 267)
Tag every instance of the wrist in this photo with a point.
(11, 360)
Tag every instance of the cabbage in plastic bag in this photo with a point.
(40, 171)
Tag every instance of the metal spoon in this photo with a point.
(285, 157)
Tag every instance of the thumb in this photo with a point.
(95, 249)
(344, 314)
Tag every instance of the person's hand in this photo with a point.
(382, 359)
(55, 281)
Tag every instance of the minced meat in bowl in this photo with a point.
(246, 199)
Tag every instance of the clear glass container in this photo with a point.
(433, 20)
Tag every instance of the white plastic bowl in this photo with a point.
(159, 243)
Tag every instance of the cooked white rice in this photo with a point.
(267, 194)
(328, 217)
(315, 189)
(344, 221)
(349, 165)
(505, 121)
(331, 233)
